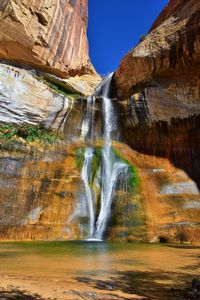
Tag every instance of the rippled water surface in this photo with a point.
(127, 267)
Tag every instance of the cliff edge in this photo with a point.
(169, 55)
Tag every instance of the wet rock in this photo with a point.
(19, 295)
(193, 292)
(196, 284)
(163, 239)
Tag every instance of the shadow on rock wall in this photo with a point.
(177, 141)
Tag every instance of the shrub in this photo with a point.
(58, 88)
(142, 37)
(28, 133)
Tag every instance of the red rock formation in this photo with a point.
(49, 35)
(175, 8)
(158, 83)
(168, 56)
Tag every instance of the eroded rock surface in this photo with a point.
(158, 86)
(26, 100)
(42, 197)
(50, 35)
(39, 188)
(168, 58)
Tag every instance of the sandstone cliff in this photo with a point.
(43, 40)
(169, 56)
(50, 35)
(158, 85)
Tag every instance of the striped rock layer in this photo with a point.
(47, 34)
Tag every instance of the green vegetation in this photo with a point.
(80, 158)
(134, 180)
(10, 133)
(95, 163)
(142, 37)
(58, 88)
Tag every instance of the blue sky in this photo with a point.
(115, 27)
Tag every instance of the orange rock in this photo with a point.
(49, 35)
(169, 53)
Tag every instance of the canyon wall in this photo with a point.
(44, 60)
(158, 87)
(38, 190)
(49, 35)
(43, 197)
(24, 100)
(167, 58)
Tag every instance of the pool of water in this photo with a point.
(132, 268)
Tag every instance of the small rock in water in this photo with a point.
(193, 292)
(196, 284)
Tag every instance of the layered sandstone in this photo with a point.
(26, 100)
(169, 56)
(158, 86)
(49, 35)
(47, 199)
(42, 198)
(29, 99)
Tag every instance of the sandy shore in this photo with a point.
(106, 271)
(30, 288)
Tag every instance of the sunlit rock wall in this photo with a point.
(169, 55)
(166, 206)
(42, 197)
(50, 35)
(26, 100)
(38, 191)
(158, 86)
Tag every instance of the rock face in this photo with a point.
(39, 189)
(42, 197)
(49, 35)
(26, 100)
(158, 86)
(168, 58)
(166, 206)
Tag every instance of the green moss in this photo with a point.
(10, 133)
(59, 89)
(134, 180)
(96, 163)
(142, 37)
(80, 158)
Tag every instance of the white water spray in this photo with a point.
(85, 175)
(110, 169)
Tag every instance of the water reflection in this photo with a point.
(157, 270)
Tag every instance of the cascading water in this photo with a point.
(85, 175)
(111, 170)
(88, 134)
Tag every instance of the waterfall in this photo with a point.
(87, 133)
(111, 170)
(85, 175)
(87, 128)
